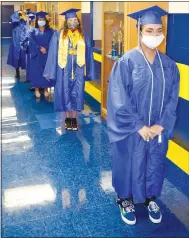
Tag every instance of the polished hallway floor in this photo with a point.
(58, 184)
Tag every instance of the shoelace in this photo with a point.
(154, 207)
(128, 206)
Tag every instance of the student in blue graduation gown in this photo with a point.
(39, 39)
(25, 43)
(70, 62)
(16, 56)
(141, 113)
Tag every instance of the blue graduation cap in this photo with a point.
(151, 15)
(71, 13)
(31, 14)
(41, 14)
(27, 10)
(32, 18)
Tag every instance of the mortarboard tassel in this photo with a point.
(139, 32)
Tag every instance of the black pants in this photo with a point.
(148, 200)
(17, 73)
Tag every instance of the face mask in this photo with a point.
(41, 23)
(73, 25)
(152, 42)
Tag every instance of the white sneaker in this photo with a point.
(154, 212)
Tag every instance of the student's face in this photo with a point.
(41, 22)
(32, 23)
(73, 23)
(152, 29)
(72, 20)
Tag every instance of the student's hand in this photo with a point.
(43, 50)
(146, 133)
(157, 129)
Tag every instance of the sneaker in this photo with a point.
(74, 124)
(154, 212)
(68, 124)
(127, 211)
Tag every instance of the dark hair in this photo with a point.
(65, 28)
(46, 25)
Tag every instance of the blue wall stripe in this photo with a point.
(98, 70)
(86, 24)
(97, 50)
(178, 38)
(178, 50)
(181, 131)
(91, 16)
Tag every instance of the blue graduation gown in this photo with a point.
(38, 60)
(138, 165)
(69, 93)
(24, 41)
(16, 56)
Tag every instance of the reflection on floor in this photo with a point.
(58, 184)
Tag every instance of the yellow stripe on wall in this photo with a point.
(184, 77)
(178, 156)
(89, 88)
(97, 57)
(93, 91)
(184, 81)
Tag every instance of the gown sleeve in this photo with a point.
(51, 32)
(168, 117)
(52, 58)
(90, 63)
(33, 46)
(122, 116)
(24, 39)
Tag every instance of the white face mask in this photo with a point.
(152, 42)
(41, 23)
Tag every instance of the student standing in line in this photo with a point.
(70, 62)
(141, 112)
(39, 39)
(25, 43)
(16, 56)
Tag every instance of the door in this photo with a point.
(7, 11)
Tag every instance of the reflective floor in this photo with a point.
(58, 184)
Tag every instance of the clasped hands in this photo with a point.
(150, 132)
(43, 50)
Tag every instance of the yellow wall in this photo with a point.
(40, 6)
(30, 5)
